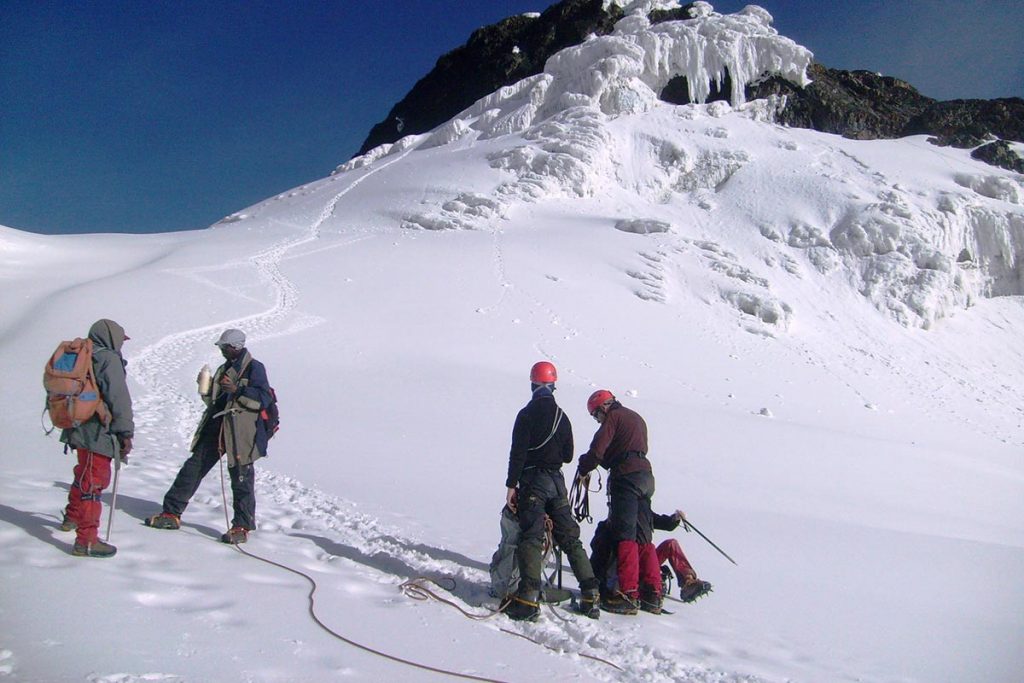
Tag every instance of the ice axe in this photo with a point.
(117, 470)
(690, 527)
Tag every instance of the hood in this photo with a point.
(107, 333)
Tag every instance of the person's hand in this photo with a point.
(587, 464)
(228, 385)
(126, 447)
(512, 500)
(680, 516)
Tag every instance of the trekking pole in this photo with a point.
(690, 527)
(558, 563)
(113, 501)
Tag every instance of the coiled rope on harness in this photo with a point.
(311, 607)
(579, 496)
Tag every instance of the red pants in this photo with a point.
(92, 475)
(637, 563)
(670, 551)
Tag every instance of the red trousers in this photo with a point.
(636, 563)
(670, 551)
(92, 475)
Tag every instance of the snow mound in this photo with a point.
(565, 134)
(624, 72)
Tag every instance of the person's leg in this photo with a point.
(243, 495)
(93, 476)
(650, 568)
(622, 520)
(532, 499)
(503, 570)
(602, 550)
(73, 511)
(670, 551)
(566, 533)
(191, 474)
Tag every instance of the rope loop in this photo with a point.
(579, 496)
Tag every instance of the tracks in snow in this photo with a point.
(314, 529)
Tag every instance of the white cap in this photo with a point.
(233, 338)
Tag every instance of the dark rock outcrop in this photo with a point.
(855, 104)
(1003, 118)
(495, 56)
(864, 105)
(999, 154)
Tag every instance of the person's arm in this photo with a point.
(517, 454)
(255, 393)
(668, 522)
(113, 385)
(595, 456)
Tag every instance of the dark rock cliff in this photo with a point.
(495, 56)
(855, 104)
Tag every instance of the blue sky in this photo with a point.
(152, 115)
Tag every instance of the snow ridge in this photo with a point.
(917, 258)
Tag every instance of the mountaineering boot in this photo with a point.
(666, 580)
(693, 588)
(590, 604)
(94, 549)
(521, 609)
(650, 600)
(165, 520)
(235, 535)
(619, 603)
(68, 524)
(554, 594)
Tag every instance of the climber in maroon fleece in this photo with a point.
(620, 446)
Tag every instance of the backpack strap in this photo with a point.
(101, 408)
(554, 428)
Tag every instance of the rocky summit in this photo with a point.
(855, 104)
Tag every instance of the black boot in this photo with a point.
(521, 609)
(650, 600)
(590, 604)
(619, 603)
(693, 589)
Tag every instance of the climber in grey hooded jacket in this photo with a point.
(97, 442)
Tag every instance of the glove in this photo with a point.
(588, 463)
(126, 447)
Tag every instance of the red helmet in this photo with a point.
(598, 399)
(543, 373)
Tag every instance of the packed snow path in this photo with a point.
(315, 533)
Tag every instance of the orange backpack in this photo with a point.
(72, 396)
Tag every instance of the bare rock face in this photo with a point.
(1002, 118)
(495, 56)
(999, 154)
(855, 104)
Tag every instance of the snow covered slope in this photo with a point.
(822, 334)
